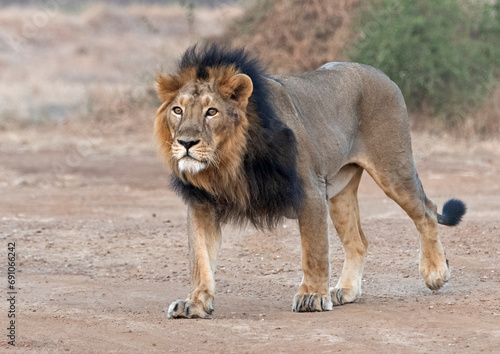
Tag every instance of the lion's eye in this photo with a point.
(212, 112)
(177, 110)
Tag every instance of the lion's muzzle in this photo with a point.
(187, 155)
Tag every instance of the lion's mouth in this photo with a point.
(191, 165)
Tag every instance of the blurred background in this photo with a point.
(101, 240)
(67, 64)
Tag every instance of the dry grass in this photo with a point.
(486, 121)
(94, 66)
(295, 36)
(479, 125)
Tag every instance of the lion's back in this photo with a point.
(339, 94)
(335, 108)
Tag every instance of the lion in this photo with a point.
(245, 147)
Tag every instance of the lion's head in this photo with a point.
(219, 134)
(202, 125)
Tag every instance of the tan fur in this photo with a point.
(346, 118)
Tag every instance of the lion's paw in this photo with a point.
(312, 302)
(188, 309)
(341, 296)
(435, 275)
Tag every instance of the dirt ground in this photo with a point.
(102, 251)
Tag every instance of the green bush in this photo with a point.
(443, 54)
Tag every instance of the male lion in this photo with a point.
(246, 147)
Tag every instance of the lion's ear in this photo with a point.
(241, 88)
(167, 87)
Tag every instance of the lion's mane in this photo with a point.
(270, 178)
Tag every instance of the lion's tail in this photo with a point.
(453, 210)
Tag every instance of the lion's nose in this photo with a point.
(187, 143)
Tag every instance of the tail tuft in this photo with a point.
(453, 210)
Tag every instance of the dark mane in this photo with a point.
(275, 189)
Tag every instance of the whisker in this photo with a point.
(217, 156)
(214, 161)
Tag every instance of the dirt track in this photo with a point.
(102, 251)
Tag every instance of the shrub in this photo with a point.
(443, 54)
(293, 35)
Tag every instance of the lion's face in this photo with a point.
(201, 126)
(201, 122)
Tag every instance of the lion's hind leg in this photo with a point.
(384, 151)
(404, 187)
(344, 212)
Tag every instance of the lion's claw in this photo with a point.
(337, 296)
(188, 309)
(311, 303)
(341, 296)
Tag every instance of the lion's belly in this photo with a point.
(337, 182)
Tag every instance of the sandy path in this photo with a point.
(102, 251)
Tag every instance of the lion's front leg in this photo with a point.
(314, 291)
(204, 243)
